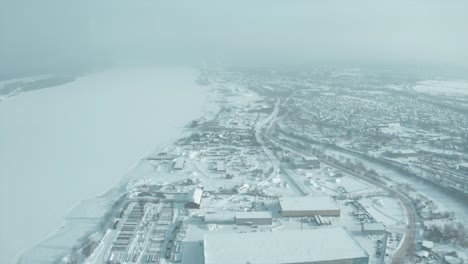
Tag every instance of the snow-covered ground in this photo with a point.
(442, 88)
(61, 145)
(440, 198)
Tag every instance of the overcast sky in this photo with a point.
(54, 34)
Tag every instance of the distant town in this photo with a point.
(322, 166)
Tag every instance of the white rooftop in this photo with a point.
(248, 215)
(195, 195)
(219, 218)
(307, 203)
(220, 166)
(428, 244)
(297, 246)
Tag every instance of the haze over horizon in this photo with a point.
(151, 131)
(53, 35)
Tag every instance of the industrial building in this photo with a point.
(324, 245)
(220, 166)
(308, 206)
(373, 229)
(463, 167)
(299, 163)
(305, 163)
(405, 153)
(220, 219)
(313, 162)
(254, 218)
(194, 198)
(179, 164)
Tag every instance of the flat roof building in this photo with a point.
(221, 219)
(299, 163)
(313, 162)
(463, 166)
(254, 218)
(194, 198)
(373, 228)
(305, 163)
(427, 244)
(220, 166)
(308, 206)
(402, 153)
(323, 245)
(179, 164)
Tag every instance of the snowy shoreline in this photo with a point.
(162, 101)
(94, 209)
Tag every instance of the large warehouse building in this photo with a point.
(308, 206)
(312, 246)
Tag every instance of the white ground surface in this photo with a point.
(443, 88)
(64, 144)
(441, 199)
(386, 210)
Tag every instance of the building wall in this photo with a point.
(178, 165)
(372, 229)
(463, 167)
(254, 221)
(373, 232)
(313, 163)
(287, 213)
(192, 205)
(301, 166)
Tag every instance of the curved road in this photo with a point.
(405, 247)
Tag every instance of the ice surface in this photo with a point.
(61, 145)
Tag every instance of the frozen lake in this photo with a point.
(64, 144)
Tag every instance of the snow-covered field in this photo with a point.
(61, 145)
(442, 88)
